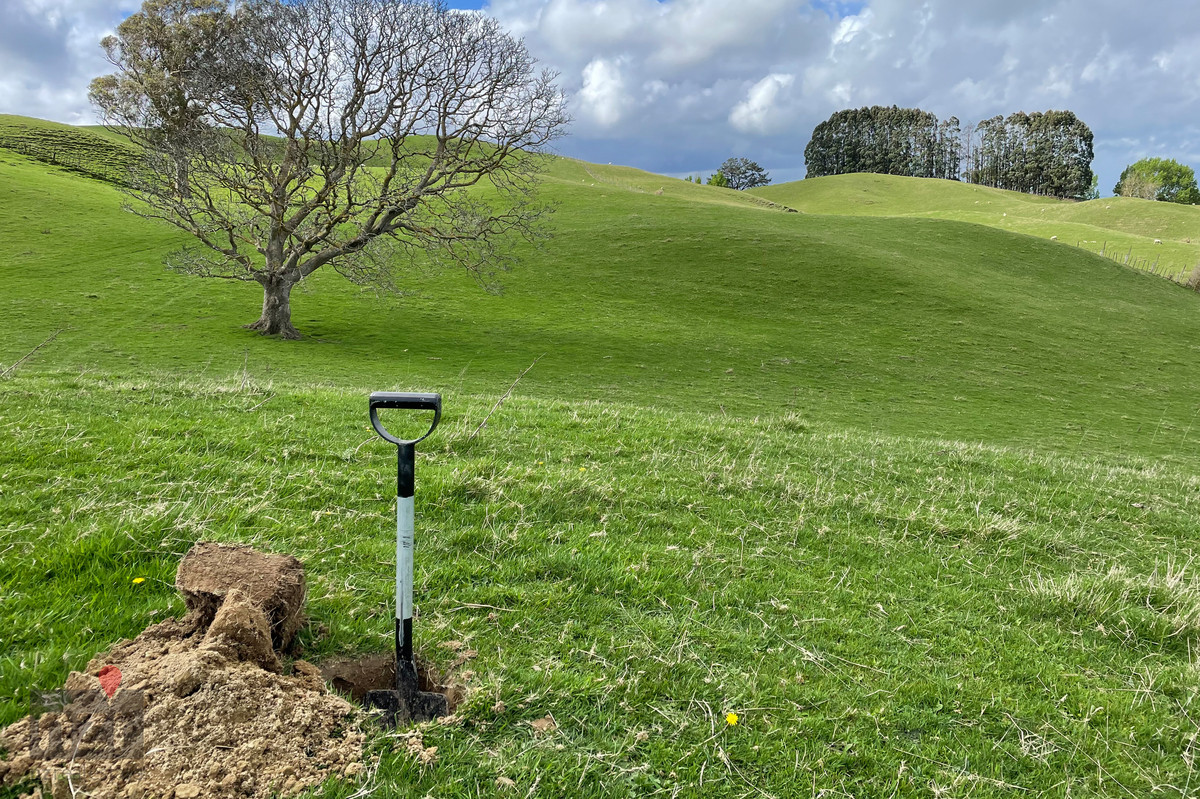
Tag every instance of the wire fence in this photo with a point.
(1127, 257)
(84, 153)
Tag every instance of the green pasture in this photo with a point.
(1152, 236)
(914, 497)
(884, 615)
(693, 299)
(93, 152)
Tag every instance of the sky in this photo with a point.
(678, 86)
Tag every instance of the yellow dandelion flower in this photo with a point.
(731, 719)
(583, 468)
(139, 580)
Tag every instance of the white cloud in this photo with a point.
(49, 53)
(760, 111)
(603, 92)
(850, 27)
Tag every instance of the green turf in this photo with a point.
(914, 497)
(881, 614)
(1121, 228)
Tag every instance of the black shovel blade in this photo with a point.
(406, 704)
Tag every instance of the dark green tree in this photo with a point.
(890, 141)
(1040, 153)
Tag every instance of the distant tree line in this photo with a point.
(1040, 153)
(888, 141)
(736, 173)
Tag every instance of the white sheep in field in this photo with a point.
(1158, 241)
(1054, 238)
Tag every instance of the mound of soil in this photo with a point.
(274, 583)
(193, 707)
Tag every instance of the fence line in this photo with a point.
(71, 158)
(1178, 275)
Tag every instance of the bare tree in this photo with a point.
(353, 133)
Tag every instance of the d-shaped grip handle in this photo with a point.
(404, 400)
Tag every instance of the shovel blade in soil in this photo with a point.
(394, 711)
(407, 704)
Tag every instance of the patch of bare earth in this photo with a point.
(199, 706)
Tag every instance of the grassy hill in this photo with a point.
(1121, 228)
(906, 326)
(912, 497)
(95, 152)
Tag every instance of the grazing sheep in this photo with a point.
(1054, 238)
(1158, 241)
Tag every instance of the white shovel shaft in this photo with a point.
(404, 558)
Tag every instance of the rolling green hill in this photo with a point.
(695, 299)
(911, 496)
(1122, 228)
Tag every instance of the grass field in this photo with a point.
(915, 498)
(1121, 228)
(883, 615)
(905, 326)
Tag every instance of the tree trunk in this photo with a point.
(276, 319)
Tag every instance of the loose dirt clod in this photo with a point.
(274, 583)
(240, 631)
(198, 707)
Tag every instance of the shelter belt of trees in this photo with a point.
(1040, 153)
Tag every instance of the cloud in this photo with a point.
(49, 53)
(760, 112)
(679, 85)
(602, 95)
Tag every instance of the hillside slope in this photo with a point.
(1153, 236)
(920, 327)
(671, 562)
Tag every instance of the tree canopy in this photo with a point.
(740, 174)
(287, 135)
(1040, 153)
(1162, 179)
(889, 141)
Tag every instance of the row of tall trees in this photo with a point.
(889, 141)
(1040, 153)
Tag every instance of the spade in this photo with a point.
(405, 703)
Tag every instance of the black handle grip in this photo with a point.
(404, 400)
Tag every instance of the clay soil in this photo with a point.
(189, 708)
